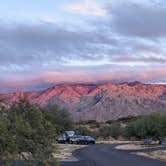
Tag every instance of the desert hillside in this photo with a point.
(100, 102)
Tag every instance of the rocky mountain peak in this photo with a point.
(100, 102)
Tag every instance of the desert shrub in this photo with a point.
(110, 121)
(113, 130)
(59, 118)
(28, 133)
(82, 131)
(93, 124)
(128, 119)
(152, 126)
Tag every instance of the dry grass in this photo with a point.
(112, 142)
(130, 147)
(65, 152)
(136, 146)
(158, 154)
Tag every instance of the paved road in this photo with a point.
(106, 155)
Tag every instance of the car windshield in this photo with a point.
(70, 133)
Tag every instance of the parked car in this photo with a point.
(87, 140)
(70, 137)
(65, 137)
(147, 141)
(76, 139)
(164, 142)
(79, 139)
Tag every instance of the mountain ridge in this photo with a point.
(100, 102)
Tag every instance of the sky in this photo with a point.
(48, 42)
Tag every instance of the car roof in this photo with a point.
(70, 133)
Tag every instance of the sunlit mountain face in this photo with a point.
(81, 41)
(99, 102)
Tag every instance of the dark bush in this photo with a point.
(152, 126)
(114, 130)
(28, 133)
(83, 131)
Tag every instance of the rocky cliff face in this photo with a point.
(100, 102)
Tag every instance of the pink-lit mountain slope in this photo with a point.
(100, 102)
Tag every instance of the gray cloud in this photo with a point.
(85, 74)
(139, 19)
(142, 59)
(124, 46)
(47, 43)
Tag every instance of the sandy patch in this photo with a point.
(65, 152)
(116, 142)
(158, 154)
(130, 147)
(136, 146)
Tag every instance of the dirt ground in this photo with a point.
(65, 152)
(112, 142)
(158, 154)
(136, 146)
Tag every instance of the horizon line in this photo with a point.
(83, 84)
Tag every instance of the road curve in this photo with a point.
(106, 155)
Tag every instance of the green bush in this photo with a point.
(110, 121)
(152, 126)
(82, 131)
(28, 133)
(113, 130)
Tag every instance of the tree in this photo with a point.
(26, 134)
(8, 146)
(113, 130)
(60, 118)
(83, 131)
(152, 126)
(2, 107)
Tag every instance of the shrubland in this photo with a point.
(151, 126)
(28, 133)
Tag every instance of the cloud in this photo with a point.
(84, 74)
(139, 59)
(46, 45)
(127, 44)
(86, 7)
(40, 55)
(142, 19)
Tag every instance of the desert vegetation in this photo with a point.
(129, 128)
(152, 127)
(28, 133)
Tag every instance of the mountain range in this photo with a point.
(100, 102)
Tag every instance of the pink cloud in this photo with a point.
(84, 75)
(86, 7)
